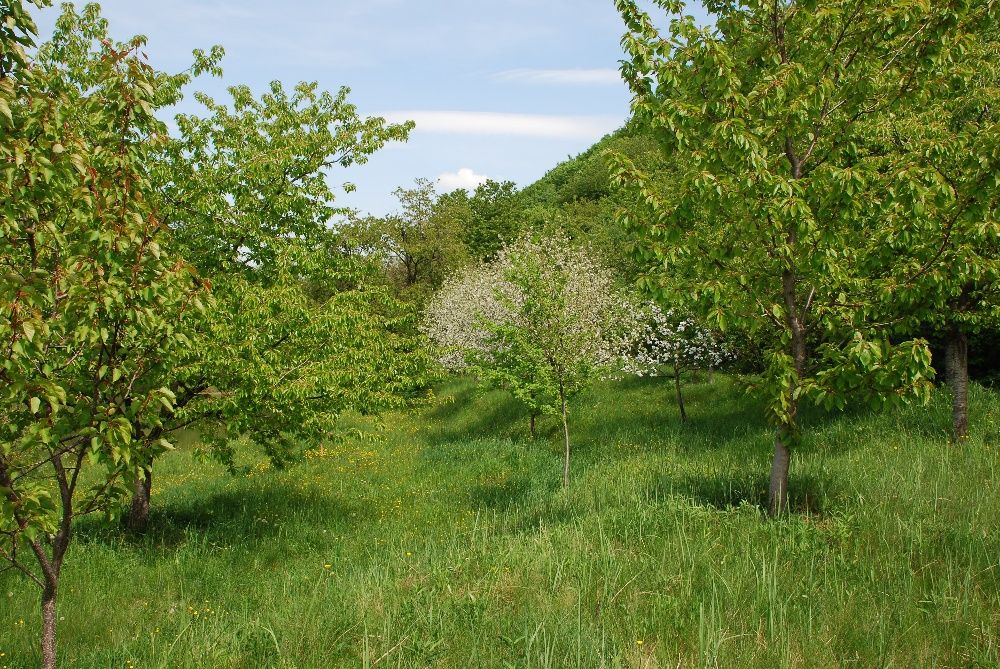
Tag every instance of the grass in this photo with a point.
(449, 543)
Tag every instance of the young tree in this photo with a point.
(773, 209)
(672, 340)
(454, 322)
(544, 320)
(94, 309)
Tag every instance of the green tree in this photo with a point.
(241, 179)
(294, 334)
(772, 209)
(497, 218)
(94, 308)
(942, 244)
(421, 244)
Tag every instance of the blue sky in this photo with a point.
(499, 88)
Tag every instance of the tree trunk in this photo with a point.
(958, 379)
(49, 626)
(532, 425)
(565, 422)
(138, 517)
(777, 494)
(680, 397)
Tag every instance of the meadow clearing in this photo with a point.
(447, 541)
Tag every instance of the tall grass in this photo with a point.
(449, 543)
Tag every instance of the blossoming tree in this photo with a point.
(678, 342)
(543, 321)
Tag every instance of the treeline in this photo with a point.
(432, 235)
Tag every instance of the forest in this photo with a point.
(720, 391)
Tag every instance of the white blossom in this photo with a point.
(672, 339)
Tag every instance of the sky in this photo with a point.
(500, 89)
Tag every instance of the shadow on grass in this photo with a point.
(808, 494)
(229, 517)
(645, 411)
(497, 415)
(500, 495)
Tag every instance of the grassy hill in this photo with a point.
(449, 543)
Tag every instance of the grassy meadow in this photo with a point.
(448, 542)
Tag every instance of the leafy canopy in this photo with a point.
(768, 224)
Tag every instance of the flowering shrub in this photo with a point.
(454, 316)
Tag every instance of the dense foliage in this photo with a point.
(770, 220)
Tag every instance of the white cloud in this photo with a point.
(517, 125)
(601, 76)
(463, 178)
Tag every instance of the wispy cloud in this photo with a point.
(516, 125)
(578, 77)
(464, 178)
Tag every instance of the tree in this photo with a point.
(544, 320)
(243, 179)
(942, 247)
(770, 218)
(294, 334)
(420, 245)
(94, 308)
(455, 323)
(497, 213)
(679, 342)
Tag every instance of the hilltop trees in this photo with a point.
(496, 218)
(418, 246)
(769, 221)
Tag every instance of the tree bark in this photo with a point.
(49, 625)
(532, 426)
(680, 396)
(565, 422)
(958, 379)
(138, 517)
(777, 494)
